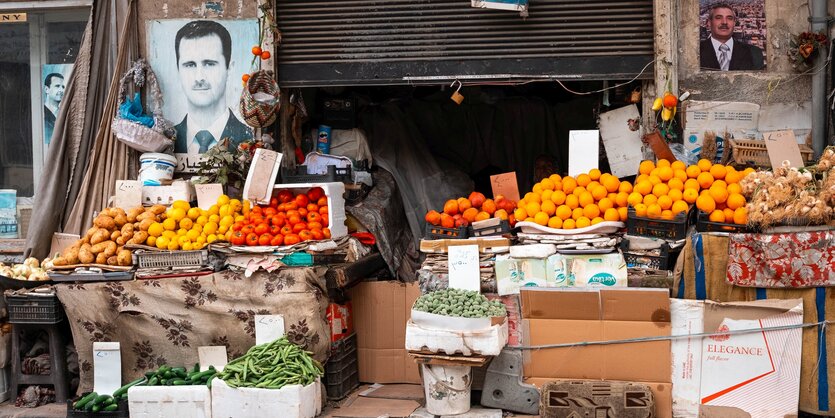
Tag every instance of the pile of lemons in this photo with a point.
(192, 228)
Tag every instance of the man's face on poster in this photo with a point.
(202, 69)
(55, 90)
(722, 21)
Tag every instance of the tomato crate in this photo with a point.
(675, 229)
(704, 224)
(439, 232)
(34, 309)
(335, 192)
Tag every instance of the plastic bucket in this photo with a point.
(447, 389)
(155, 167)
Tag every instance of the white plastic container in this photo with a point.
(336, 203)
(293, 401)
(447, 389)
(166, 195)
(487, 342)
(170, 401)
(155, 167)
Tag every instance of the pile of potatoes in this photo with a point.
(112, 230)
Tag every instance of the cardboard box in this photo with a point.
(661, 393)
(381, 311)
(341, 321)
(754, 374)
(739, 119)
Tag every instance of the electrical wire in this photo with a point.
(643, 70)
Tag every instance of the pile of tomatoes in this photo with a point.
(289, 219)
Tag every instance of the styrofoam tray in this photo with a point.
(486, 342)
(170, 401)
(607, 227)
(294, 401)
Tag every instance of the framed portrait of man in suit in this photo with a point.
(199, 64)
(732, 35)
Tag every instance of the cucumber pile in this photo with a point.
(460, 303)
(93, 402)
(179, 376)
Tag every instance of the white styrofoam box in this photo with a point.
(293, 401)
(336, 203)
(687, 317)
(170, 401)
(487, 342)
(166, 195)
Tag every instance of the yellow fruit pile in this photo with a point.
(191, 228)
(664, 190)
(571, 203)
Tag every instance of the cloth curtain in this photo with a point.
(76, 128)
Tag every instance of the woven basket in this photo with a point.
(260, 114)
(135, 135)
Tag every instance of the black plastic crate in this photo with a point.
(300, 175)
(122, 412)
(494, 230)
(439, 232)
(675, 229)
(704, 224)
(25, 309)
(665, 260)
(343, 388)
(343, 350)
(342, 369)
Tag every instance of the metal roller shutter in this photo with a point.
(376, 42)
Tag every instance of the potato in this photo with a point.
(115, 235)
(145, 224)
(120, 220)
(119, 211)
(91, 231)
(100, 236)
(146, 215)
(71, 255)
(127, 229)
(104, 221)
(101, 258)
(85, 256)
(134, 212)
(110, 250)
(124, 258)
(100, 247)
(139, 237)
(157, 209)
(85, 240)
(123, 239)
(106, 212)
(112, 261)
(59, 261)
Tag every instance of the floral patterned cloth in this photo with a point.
(164, 321)
(788, 260)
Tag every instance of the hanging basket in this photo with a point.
(260, 99)
(136, 135)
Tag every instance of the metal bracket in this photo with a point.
(503, 387)
(822, 19)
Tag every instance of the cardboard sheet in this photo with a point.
(623, 146)
(395, 391)
(364, 407)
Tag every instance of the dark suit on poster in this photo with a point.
(744, 57)
(236, 131)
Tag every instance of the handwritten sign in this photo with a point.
(107, 367)
(464, 271)
(268, 328)
(261, 177)
(781, 146)
(207, 194)
(505, 184)
(212, 356)
(61, 241)
(128, 194)
(583, 150)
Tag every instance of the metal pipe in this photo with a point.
(818, 18)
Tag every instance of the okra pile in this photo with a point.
(272, 366)
(461, 303)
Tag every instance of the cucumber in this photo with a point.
(111, 408)
(196, 368)
(84, 400)
(124, 389)
(96, 408)
(100, 399)
(178, 382)
(154, 381)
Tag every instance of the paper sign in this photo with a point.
(128, 194)
(268, 328)
(583, 150)
(505, 184)
(782, 145)
(212, 356)
(261, 177)
(207, 194)
(464, 271)
(623, 145)
(61, 241)
(107, 367)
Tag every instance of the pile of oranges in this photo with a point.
(664, 190)
(466, 210)
(571, 203)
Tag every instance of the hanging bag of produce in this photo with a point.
(259, 99)
(140, 131)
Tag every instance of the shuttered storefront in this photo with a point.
(389, 42)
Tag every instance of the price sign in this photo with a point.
(107, 367)
(128, 194)
(212, 356)
(782, 146)
(207, 194)
(505, 184)
(464, 272)
(268, 328)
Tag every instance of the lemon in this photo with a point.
(236, 205)
(180, 204)
(177, 214)
(155, 229)
(169, 224)
(247, 205)
(151, 241)
(186, 223)
(225, 210)
(193, 235)
(214, 210)
(216, 219)
(187, 247)
(169, 234)
(227, 221)
(182, 232)
(202, 220)
(183, 240)
(193, 213)
(211, 238)
(210, 228)
(173, 246)
(222, 229)
(222, 200)
(162, 242)
(199, 241)
(240, 218)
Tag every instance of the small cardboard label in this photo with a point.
(207, 194)
(128, 194)
(583, 151)
(781, 146)
(505, 184)
(268, 328)
(61, 241)
(464, 272)
(261, 177)
(212, 356)
(107, 367)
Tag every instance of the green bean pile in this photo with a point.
(462, 303)
(272, 366)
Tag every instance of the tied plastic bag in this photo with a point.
(682, 154)
(132, 110)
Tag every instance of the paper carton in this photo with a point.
(752, 374)
(739, 119)
(586, 270)
(515, 273)
(381, 311)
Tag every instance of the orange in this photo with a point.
(586, 199)
(644, 187)
(568, 184)
(625, 187)
(622, 199)
(556, 178)
(667, 214)
(675, 195)
(641, 210)
(563, 212)
(690, 195)
(734, 188)
(579, 190)
(733, 176)
(541, 218)
(548, 207)
(735, 201)
(635, 198)
(533, 197)
(678, 165)
(705, 180)
(663, 163)
(537, 188)
(470, 214)
(704, 164)
(520, 214)
(546, 195)
(577, 213)
(676, 184)
(650, 199)
(611, 183)
(692, 184)
(451, 207)
(641, 178)
(583, 180)
(605, 203)
(583, 222)
(741, 216)
(558, 197)
(555, 223)
(660, 189)
(533, 208)
(719, 194)
(719, 183)
(665, 202)
(599, 192)
(718, 171)
(680, 206)
(612, 196)
(693, 171)
(729, 214)
(705, 203)
(646, 166)
(665, 173)
(654, 180)
(547, 184)
(591, 211)
(680, 174)
(597, 220)
(654, 211)
(611, 215)
(572, 201)
(463, 204)
(623, 213)
(594, 173)
(717, 216)
(568, 224)
(654, 172)
(748, 171)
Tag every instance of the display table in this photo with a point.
(164, 321)
(704, 276)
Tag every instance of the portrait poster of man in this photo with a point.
(732, 35)
(199, 64)
(55, 78)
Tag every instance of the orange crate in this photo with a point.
(753, 152)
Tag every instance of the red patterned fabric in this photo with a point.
(790, 260)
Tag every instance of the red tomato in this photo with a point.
(291, 206)
(269, 212)
(327, 233)
(256, 210)
(315, 193)
(301, 226)
(286, 230)
(275, 229)
(274, 202)
(314, 217)
(265, 239)
(312, 207)
(252, 239)
(317, 234)
(323, 210)
(277, 220)
(293, 219)
(248, 229)
(323, 201)
(285, 196)
(314, 226)
(237, 226)
(262, 228)
(277, 240)
(305, 235)
(302, 200)
(238, 238)
(302, 212)
(291, 239)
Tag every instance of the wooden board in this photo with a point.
(442, 245)
(425, 357)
